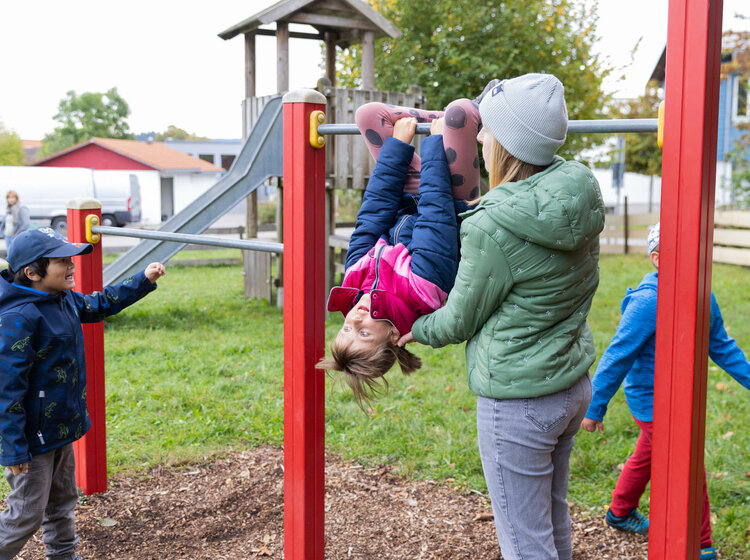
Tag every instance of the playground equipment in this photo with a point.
(682, 315)
(690, 120)
(259, 160)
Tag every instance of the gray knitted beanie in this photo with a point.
(528, 116)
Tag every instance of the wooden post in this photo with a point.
(304, 279)
(254, 286)
(368, 60)
(684, 298)
(257, 271)
(330, 42)
(251, 215)
(249, 64)
(651, 194)
(282, 56)
(625, 225)
(91, 450)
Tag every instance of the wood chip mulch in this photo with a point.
(232, 509)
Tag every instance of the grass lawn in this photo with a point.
(196, 370)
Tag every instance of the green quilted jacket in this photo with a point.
(528, 272)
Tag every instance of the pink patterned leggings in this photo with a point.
(375, 122)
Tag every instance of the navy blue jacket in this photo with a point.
(427, 224)
(43, 364)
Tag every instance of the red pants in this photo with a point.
(635, 476)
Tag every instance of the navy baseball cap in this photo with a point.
(43, 242)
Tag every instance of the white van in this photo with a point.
(46, 191)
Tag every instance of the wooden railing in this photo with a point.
(627, 233)
(732, 237)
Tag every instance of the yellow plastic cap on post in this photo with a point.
(660, 129)
(92, 220)
(317, 118)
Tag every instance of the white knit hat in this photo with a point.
(528, 116)
(653, 238)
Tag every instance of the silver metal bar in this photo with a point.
(246, 244)
(613, 126)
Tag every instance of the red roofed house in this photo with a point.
(169, 179)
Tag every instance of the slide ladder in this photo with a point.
(260, 159)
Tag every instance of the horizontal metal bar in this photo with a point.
(245, 244)
(614, 126)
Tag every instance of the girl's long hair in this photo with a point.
(505, 167)
(364, 370)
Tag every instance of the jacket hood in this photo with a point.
(14, 295)
(649, 282)
(560, 208)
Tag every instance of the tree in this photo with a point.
(11, 149)
(175, 133)
(85, 116)
(642, 152)
(450, 56)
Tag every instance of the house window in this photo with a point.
(206, 157)
(227, 161)
(741, 98)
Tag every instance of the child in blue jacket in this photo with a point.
(630, 357)
(43, 384)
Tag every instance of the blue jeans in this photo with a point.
(525, 447)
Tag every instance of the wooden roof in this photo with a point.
(156, 155)
(659, 72)
(346, 18)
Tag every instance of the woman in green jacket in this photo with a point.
(525, 282)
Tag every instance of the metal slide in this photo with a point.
(260, 159)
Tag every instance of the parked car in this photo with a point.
(46, 192)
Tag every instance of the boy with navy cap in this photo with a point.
(43, 384)
(630, 358)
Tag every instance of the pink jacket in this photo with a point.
(398, 295)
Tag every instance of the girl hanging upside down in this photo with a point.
(403, 253)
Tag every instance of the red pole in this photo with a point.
(304, 323)
(686, 244)
(91, 450)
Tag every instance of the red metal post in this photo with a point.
(304, 330)
(91, 450)
(686, 244)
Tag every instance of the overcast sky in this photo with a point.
(167, 62)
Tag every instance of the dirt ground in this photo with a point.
(232, 509)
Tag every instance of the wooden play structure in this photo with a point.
(337, 23)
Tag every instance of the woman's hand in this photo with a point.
(437, 126)
(154, 271)
(406, 339)
(405, 129)
(592, 425)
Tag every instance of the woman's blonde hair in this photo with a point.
(505, 167)
(364, 370)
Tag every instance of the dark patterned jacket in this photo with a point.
(43, 365)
